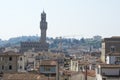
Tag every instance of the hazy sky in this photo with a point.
(84, 18)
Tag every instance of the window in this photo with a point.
(20, 67)
(20, 58)
(47, 68)
(117, 58)
(98, 71)
(112, 48)
(2, 58)
(10, 58)
(76, 65)
(2, 67)
(103, 78)
(10, 67)
(32, 55)
(73, 63)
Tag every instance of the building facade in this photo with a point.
(9, 62)
(22, 63)
(49, 68)
(108, 72)
(110, 45)
(74, 65)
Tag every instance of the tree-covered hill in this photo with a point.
(53, 42)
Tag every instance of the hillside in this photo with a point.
(53, 43)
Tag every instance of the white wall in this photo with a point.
(74, 65)
(103, 52)
(110, 59)
(21, 63)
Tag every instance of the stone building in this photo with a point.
(9, 61)
(39, 45)
(110, 45)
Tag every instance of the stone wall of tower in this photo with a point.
(43, 27)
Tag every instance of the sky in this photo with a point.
(75, 18)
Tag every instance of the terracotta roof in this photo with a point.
(70, 73)
(98, 60)
(21, 76)
(48, 62)
(90, 73)
(113, 54)
(115, 37)
(10, 53)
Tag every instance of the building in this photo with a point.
(71, 75)
(49, 68)
(108, 72)
(67, 62)
(40, 45)
(83, 65)
(74, 65)
(97, 37)
(110, 45)
(9, 61)
(113, 58)
(22, 63)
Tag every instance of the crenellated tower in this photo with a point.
(43, 27)
(41, 45)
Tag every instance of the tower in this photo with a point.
(43, 27)
(41, 45)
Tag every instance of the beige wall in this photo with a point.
(103, 52)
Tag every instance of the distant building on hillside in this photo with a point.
(40, 45)
(98, 38)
